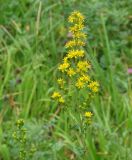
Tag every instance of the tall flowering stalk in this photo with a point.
(26, 150)
(20, 137)
(75, 68)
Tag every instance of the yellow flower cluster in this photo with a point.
(94, 86)
(75, 67)
(64, 66)
(75, 53)
(88, 116)
(71, 72)
(76, 17)
(79, 35)
(79, 84)
(85, 78)
(82, 80)
(83, 66)
(58, 97)
(74, 43)
(76, 28)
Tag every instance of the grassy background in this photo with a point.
(32, 38)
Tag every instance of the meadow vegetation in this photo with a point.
(33, 36)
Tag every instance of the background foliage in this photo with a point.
(32, 38)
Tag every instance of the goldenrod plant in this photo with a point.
(20, 137)
(75, 68)
(82, 122)
(21, 140)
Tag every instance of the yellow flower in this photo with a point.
(56, 95)
(75, 17)
(71, 54)
(61, 100)
(71, 19)
(74, 43)
(83, 66)
(64, 66)
(79, 84)
(76, 27)
(71, 72)
(94, 86)
(79, 35)
(79, 15)
(79, 53)
(80, 43)
(65, 59)
(82, 80)
(70, 43)
(85, 78)
(75, 53)
(61, 82)
(88, 114)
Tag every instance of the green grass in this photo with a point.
(32, 38)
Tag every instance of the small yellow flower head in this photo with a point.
(82, 80)
(75, 17)
(56, 95)
(85, 78)
(79, 53)
(83, 66)
(71, 54)
(61, 100)
(61, 82)
(64, 66)
(79, 84)
(74, 43)
(76, 28)
(80, 43)
(65, 59)
(94, 86)
(88, 114)
(71, 43)
(79, 35)
(75, 53)
(71, 72)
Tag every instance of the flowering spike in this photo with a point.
(75, 68)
